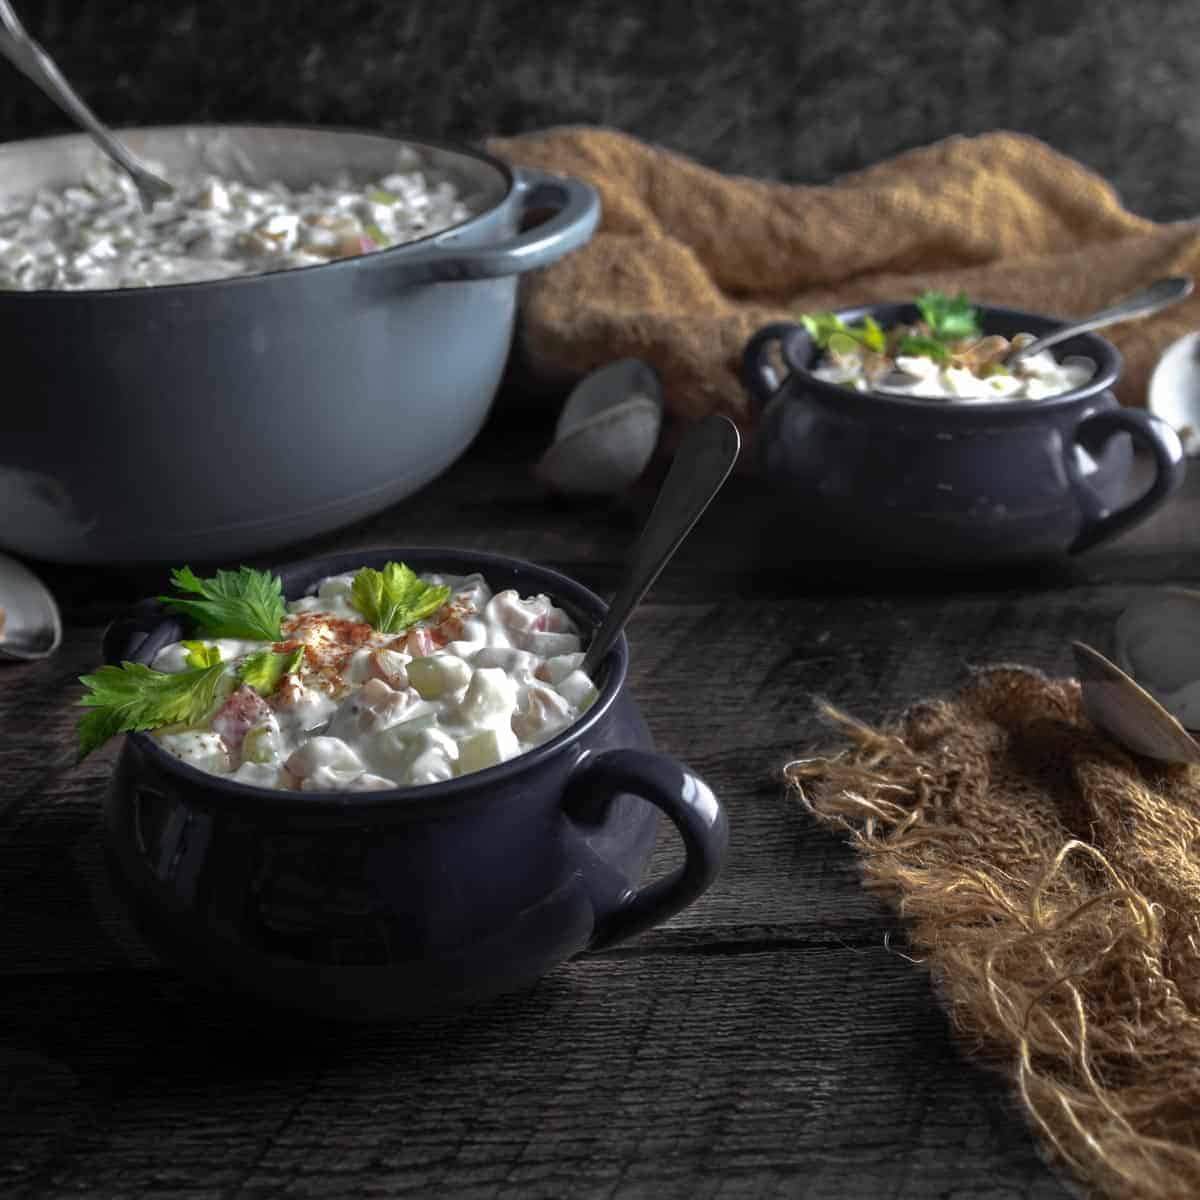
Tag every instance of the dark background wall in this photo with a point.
(801, 91)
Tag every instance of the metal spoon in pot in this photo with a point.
(30, 626)
(705, 457)
(32, 61)
(1160, 294)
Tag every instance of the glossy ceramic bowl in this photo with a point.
(383, 904)
(925, 481)
(210, 421)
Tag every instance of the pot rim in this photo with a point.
(1106, 356)
(439, 797)
(374, 258)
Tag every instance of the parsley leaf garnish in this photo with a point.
(919, 344)
(133, 696)
(950, 318)
(392, 599)
(237, 604)
(263, 669)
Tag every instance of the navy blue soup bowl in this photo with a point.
(975, 484)
(385, 904)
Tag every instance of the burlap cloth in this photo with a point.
(1051, 883)
(689, 263)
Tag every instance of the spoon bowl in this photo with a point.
(1128, 713)
(30, 625)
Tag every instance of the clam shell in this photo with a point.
(1156, 640)
(1128, 713)
(1174, 390)
(606, 433)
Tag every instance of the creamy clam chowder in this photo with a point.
(974, 372)
(96, 235)
(483, 679)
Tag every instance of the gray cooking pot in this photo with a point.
(214, 420)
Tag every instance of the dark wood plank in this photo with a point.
(763, 1072)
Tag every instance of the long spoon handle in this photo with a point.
(705, 457)
(33, 62)
(1160, 294)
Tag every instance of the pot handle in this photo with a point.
(577, 213)
(757, 372)
(1101, 522)
(622, 909)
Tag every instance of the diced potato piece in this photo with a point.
(578, 689)
(490, 698)
(198, 748)
(486, 748)
(509, 659)
(546, 644)
(555, 669)
(438, 674)
(330, 753)
(260, 775)
(542, 713)
(395, 749)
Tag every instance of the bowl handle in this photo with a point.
(124, 636)
(576, 213)
(1100, 522)
(758, 374)
(622, 909)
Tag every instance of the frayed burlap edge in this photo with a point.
(1051, 883)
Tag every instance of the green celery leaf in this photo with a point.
(392, 599)
(872, 335)
(263, 669)
(238, 604)
(201, 654)
(133, 696)
(821, 326)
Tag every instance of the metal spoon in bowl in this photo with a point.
(30, 626)
(31, 60)
(705, 457)
(1160, 294)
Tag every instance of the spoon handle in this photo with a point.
(705, 457)
(33, 62)
(1160, 294)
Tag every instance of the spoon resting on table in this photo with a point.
(1159, 295)
(33, 62)
(702, 463)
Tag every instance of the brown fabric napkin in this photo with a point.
(1051, 883)
(689, 263)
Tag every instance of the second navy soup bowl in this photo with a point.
(976, 483)
(385, 904)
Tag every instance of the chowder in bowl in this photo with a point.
(377, 902)
(971, 481)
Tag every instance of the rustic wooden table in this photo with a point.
(765, 1042)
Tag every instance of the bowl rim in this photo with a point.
(374, 257)
(439, 796)
(1106, 356)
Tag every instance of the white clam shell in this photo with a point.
(1174, 390)
(606, 433)
(1129, 714)
(1157, 641)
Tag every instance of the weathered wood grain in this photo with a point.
(762, 1043)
